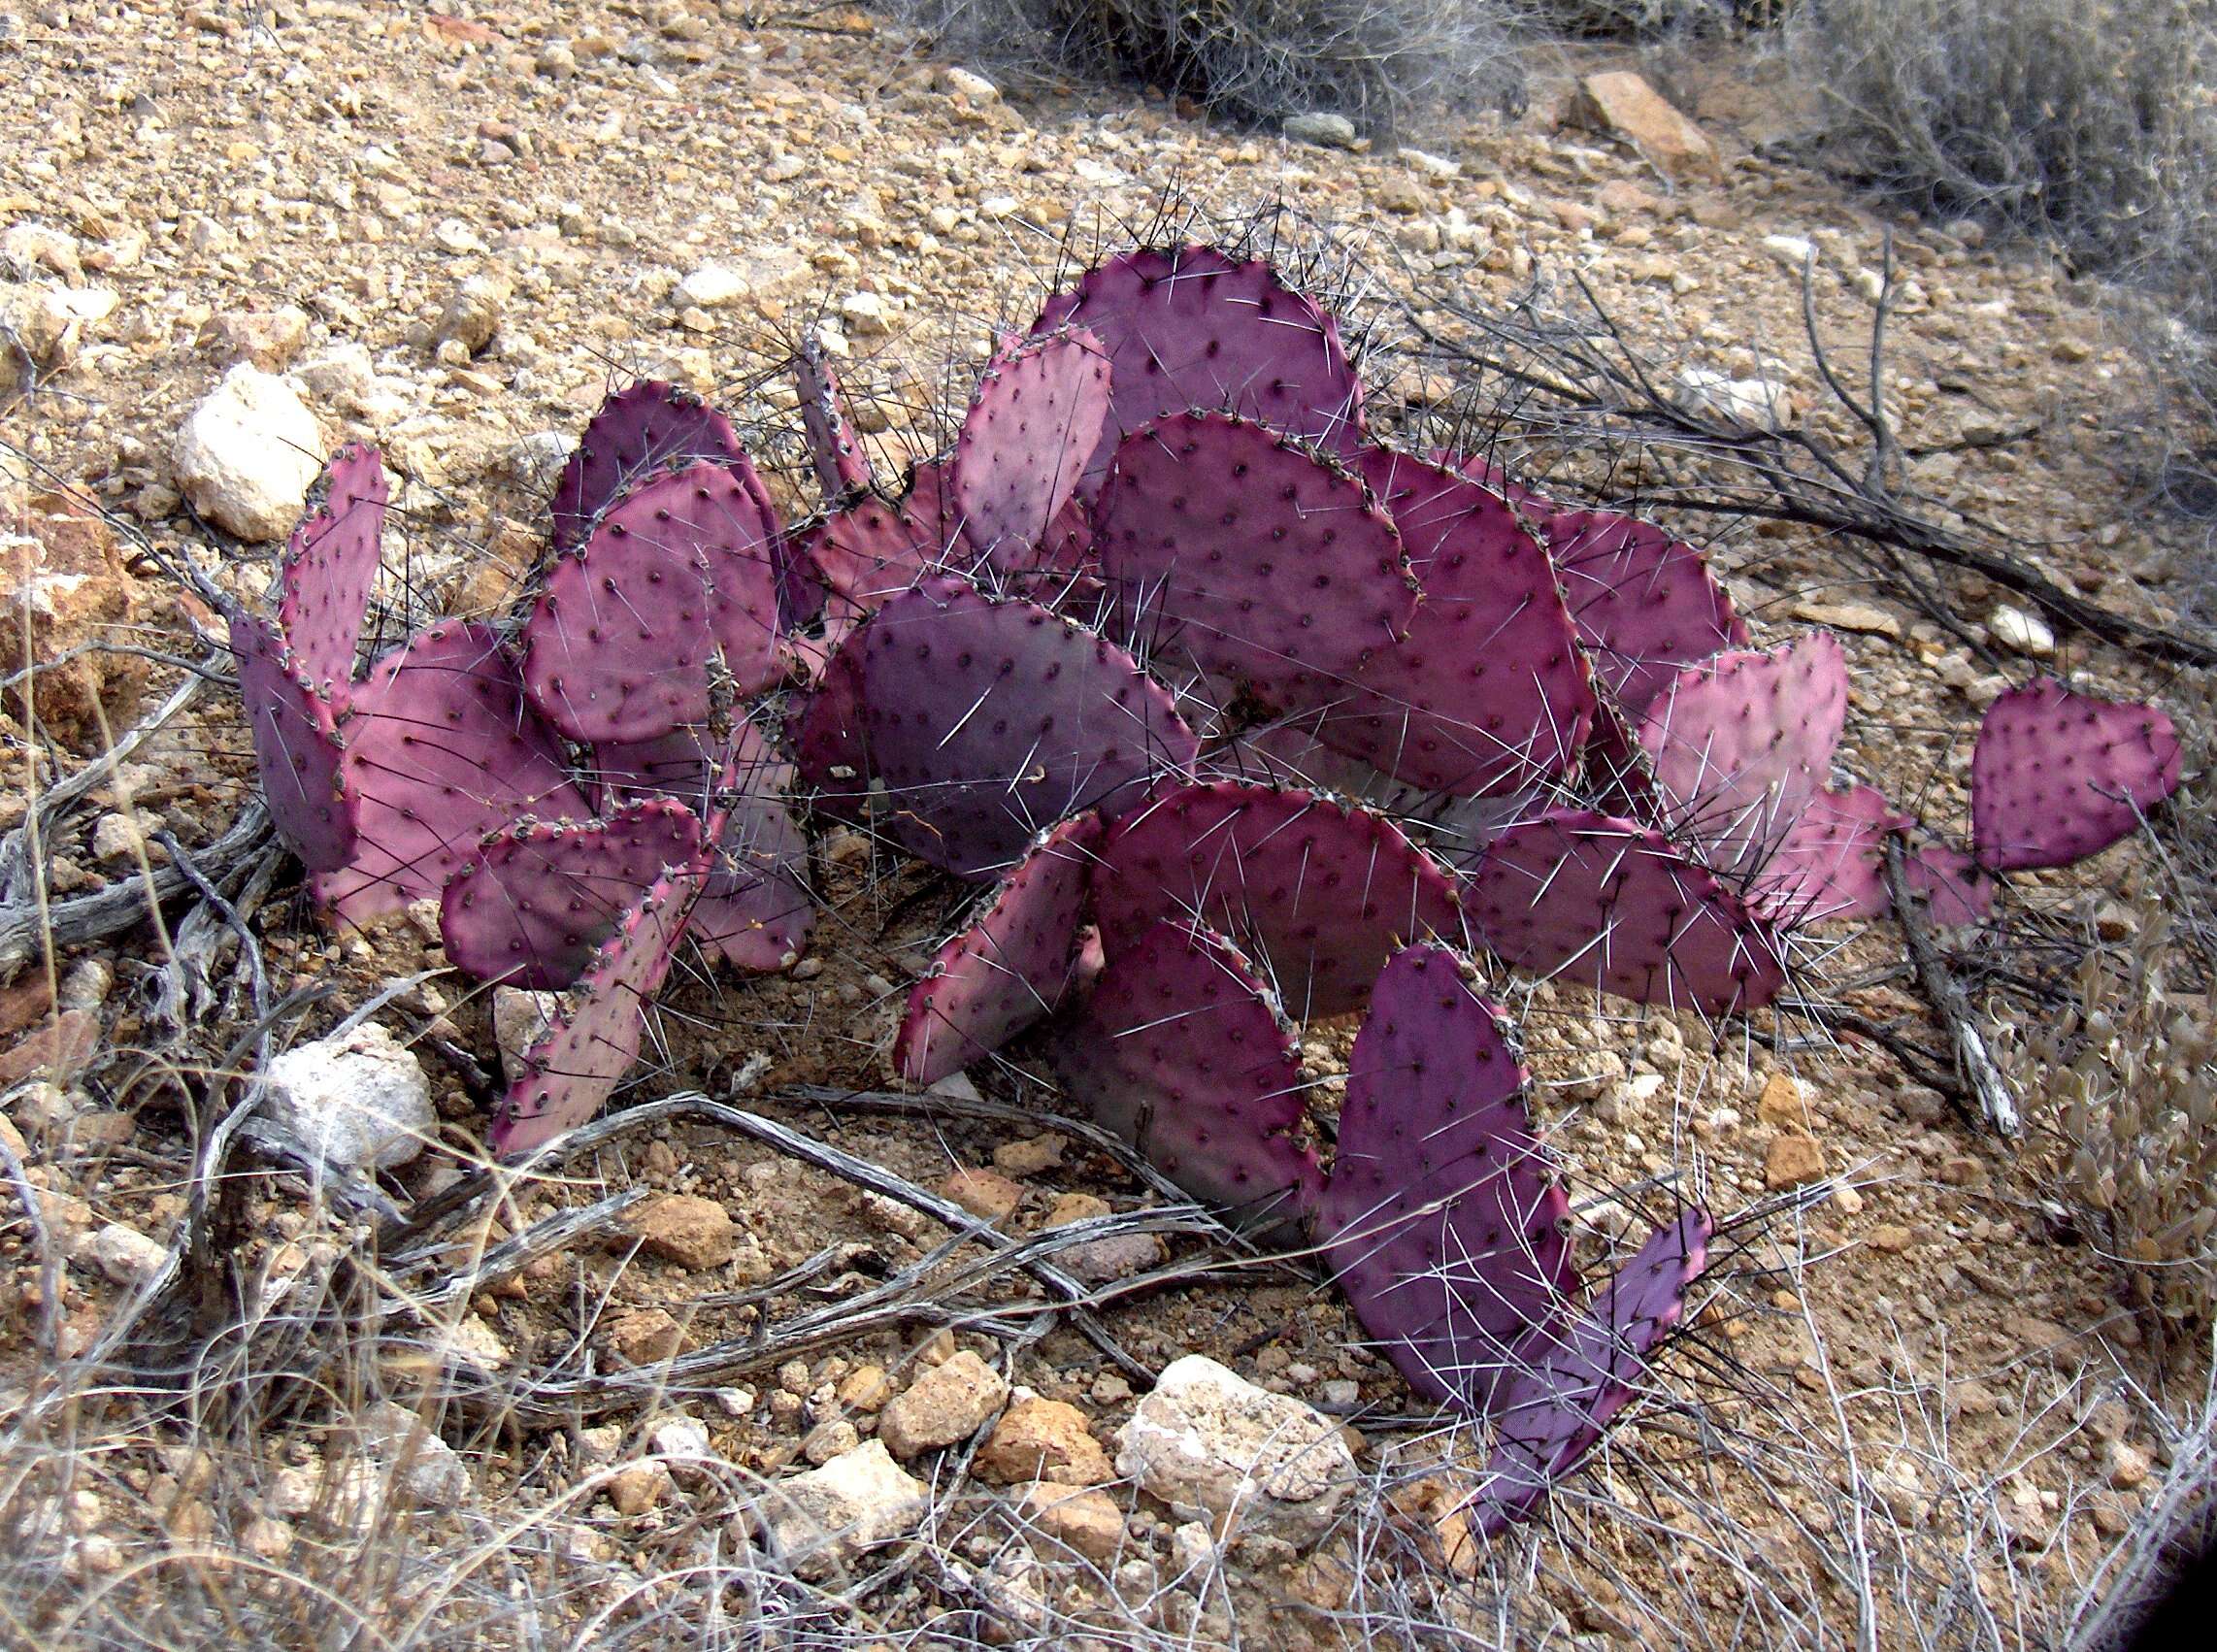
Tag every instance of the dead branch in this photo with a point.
(1949, 1003)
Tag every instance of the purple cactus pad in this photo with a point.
(1034, 423)
(1181, 1050)
(619, 642)
(1956, 888)
(1741, 744)
(1442, 1220)
(296, 750)
(594, 1039)
(1830, 864)
(1576, 1378)
(1323, 892)
(1225, 543)
(755, 909)
(987, 721)
(1187, 327)
(331, 566)
(541, 897)
(1612, 903)
(843, 468)
(1646, 605)
(874, 548)
(2057, 777)
(1490, 690)
(441, 748)
(1009, 967)
(638, 431)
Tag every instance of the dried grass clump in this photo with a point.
(2131, 1072)
(2128, 1075)
(1378, 62)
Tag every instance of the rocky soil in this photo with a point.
(232, 237)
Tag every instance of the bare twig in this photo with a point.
(1995, 1104)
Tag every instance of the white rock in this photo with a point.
(1757, 404)
(354, 1102)
(248, 453)
(1327, 131)
(969, 83)
(1790, 252)
(2027, 633)
(821, 1520)
(117, 838)
(682, 1441)
(1432, 166)
(1217, 1449)
(435, 1475)
(126, 1255)
(866, 314)
(520, 1019)
(720, 283)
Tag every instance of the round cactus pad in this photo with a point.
(1490, 690)
(1189, 327)
(2057, 777)
(755, 908)
(296, 750)
(1741, 744)
(1611, 903)
(649, 427)
(1442, 1220)
(619, 643)
(1034, 423)
(987, 721)
(1227, 543)
(441, 748)
(331, 567)
(541, 897)
(1322, 892)
(1645, 604)
(594, 1038)
(1181, 1050)
(1576, 1378)
(1830, 864)
(1009, 967)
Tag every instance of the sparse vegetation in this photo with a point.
(2092, 125)
(1375, 61)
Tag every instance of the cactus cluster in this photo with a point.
(1107, 653)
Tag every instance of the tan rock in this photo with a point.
(866, 1388)
(950, 1403)
(646, 1338)
(983, 1192)
(1086, 1521)
(1043, 1440)
(694, 1233)
(62, 580)
(639, 1488)
(1794, 1158)
(1028, 1156)
(267, 339)
(1783, 1103)
(1625, 106)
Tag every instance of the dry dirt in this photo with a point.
(357, 162)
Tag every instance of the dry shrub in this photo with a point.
(1375, 61)
(2127, 1076)
(2088, 122)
